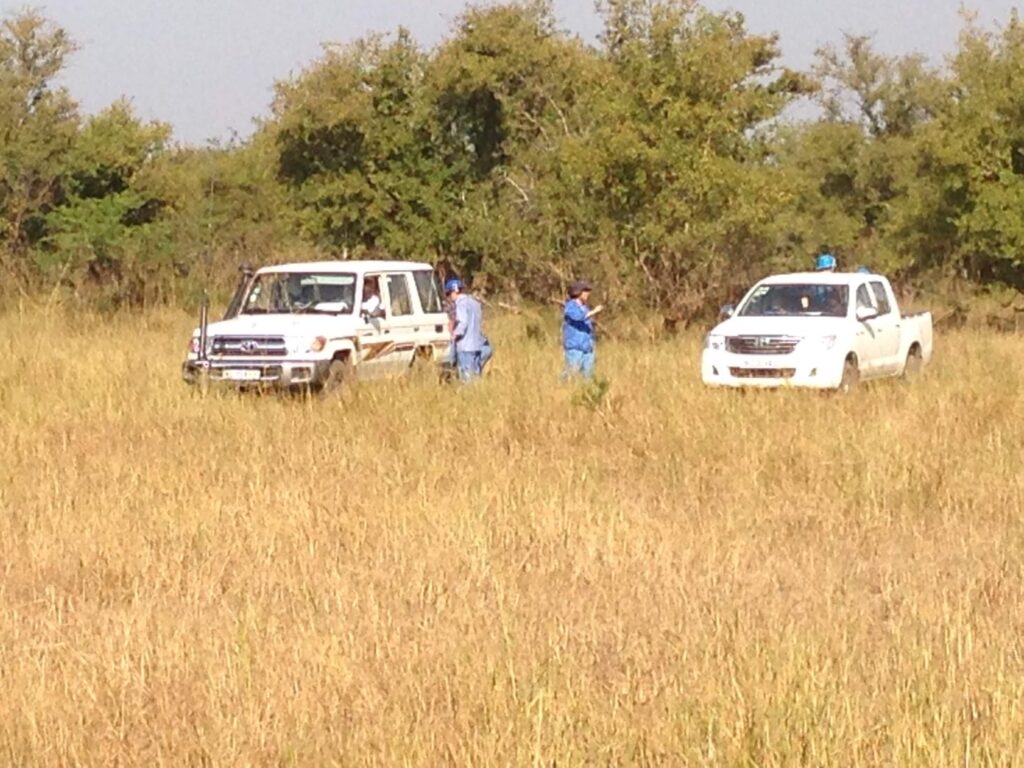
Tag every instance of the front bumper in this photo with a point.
(272, 373)
(726, 369)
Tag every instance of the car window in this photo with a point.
(881, 297)
(797, 300)
(293, 292)
(426, 287)
(864, 298)
(398, 294)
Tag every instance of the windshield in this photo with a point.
(797, 300)
(295, 292)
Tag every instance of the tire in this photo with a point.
(851, 377)
(914, 365)
(422, 359)
(339, 373)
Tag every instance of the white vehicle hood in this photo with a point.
(799, 327)
(309, 325)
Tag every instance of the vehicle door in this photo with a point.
(867, 344)
(434, 330)
(887, 330)
(403, 322)
(374, 334)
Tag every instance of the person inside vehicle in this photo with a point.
(373, 305)
(833, 305)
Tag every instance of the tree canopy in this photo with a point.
(665, 160)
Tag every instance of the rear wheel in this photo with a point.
(851, 376)
(915, 363)
(339, 373)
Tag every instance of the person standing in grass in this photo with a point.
(578, 332)
(472, 349)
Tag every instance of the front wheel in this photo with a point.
(851, 377)
(914, 365)
(339, 372)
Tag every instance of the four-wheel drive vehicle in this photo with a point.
(825, 331)
(315, 324)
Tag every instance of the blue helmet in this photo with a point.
(825, 261)
(452, 284)
(863, 270)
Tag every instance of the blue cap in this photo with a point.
(452, 284)
(825, 261)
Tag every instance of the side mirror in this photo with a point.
(866, 313)
(727, 310)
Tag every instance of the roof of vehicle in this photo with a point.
(821, 278)
(379, 265)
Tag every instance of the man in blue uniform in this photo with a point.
(472, 349)
(578, 331)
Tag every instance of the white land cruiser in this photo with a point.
(819, 330)
(317, 323)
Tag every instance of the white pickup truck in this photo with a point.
(817, 330)
(316, 324)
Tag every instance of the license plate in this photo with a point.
(763, 365)
(241, 374)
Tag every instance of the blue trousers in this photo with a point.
(471, 364)
(579, 363)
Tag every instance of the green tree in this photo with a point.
(38, 122)
(101, 226)
(515, 103)
(354, 149)
(684, 144)
(976, 154)
(861, 185)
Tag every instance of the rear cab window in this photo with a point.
(430, 295)
(399, 298)
(864, 297)
(881, 297)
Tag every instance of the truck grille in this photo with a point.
(763, 373)
(249, 346)
(761, 345)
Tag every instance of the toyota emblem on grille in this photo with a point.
(249, 346)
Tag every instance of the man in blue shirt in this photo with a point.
(472, 350)
(578, 331)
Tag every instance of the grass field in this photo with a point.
(505, 574)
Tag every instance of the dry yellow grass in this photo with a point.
(495, 575)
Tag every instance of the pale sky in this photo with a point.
(208, 66)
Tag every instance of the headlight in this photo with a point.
(193, 345)
(318, 344)
(820, 342)
(714, 341)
